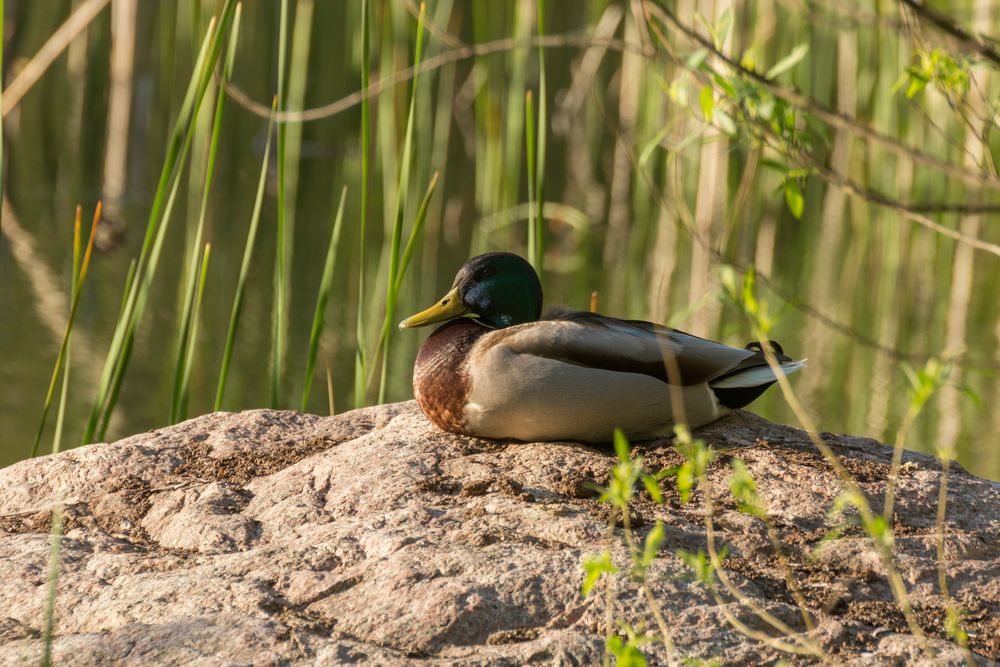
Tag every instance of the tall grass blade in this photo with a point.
(1, 125)
(64, 393)
(121, 344)
(529, 135)
(402, 188)
(360, 365)
(234, 317)
(523, 14)
(191, 279)
(416, 232)
(279, 314)
(63, 398)
(185, 380)
(52, 589)
(129, 279)
(119, 341)
(292, 151)
(74, 303)
(542, 139)
(329, 389)
(411, 246)
(324, 291)
(154, 259)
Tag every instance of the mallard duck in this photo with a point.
(497, 369)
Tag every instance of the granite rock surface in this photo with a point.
(270, 538)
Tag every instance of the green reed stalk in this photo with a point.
(324, 291)
(411, 246)
(402, 186)
(279, 314)
(529, 134)
(52, 588)
(329, 389)
(515, 117)
(63, 399)
(172, 164)
(63, 394)
(416, 232)
(186, 335)
(291, 156)
(234, 317)
(129, 279)
(74, 303)
(360, 362)
(1, 124)
(119, 352)
(540, 152)
(147, 279)
(440, 142)
(185, 379)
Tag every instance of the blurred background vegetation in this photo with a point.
(844, 149)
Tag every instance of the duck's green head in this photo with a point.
(500, 289)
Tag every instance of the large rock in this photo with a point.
(275, 538)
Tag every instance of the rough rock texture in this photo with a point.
(279, 538)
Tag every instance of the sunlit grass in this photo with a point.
(283, 239)
(120, 350)
(80, 266)
(52, 584)
(402, 189)
(248, 251)
(319, 315)
(360, 359)
(198, 260)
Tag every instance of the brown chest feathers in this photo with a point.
(440, 375)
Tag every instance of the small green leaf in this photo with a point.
(685, 481)
(654, 540)
(917, 86)
(594, 567)
(727, 276)
(707, 100)
(953, 626)
(744, 490)
(878, 529)
(678, 92)
(726, 87)
(653, 488)
(725, 123)
(626, 653)
(789, 61)
(900, 82)
(972, 394)
(722, 28)
(775, 165)
(750, 303)
(621, 446)
(695, 60)
(653, 144)
(700, 565)
(765, 108)
(793, 197)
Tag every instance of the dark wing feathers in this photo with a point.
(628, 346)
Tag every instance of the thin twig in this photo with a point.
(829, 116)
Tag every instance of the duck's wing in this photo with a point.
(629, 346)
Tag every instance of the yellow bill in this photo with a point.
(448, 308)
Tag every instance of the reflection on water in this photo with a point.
(643, 199)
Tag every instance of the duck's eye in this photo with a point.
(484, 273)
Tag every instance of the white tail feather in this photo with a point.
(756, 376)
